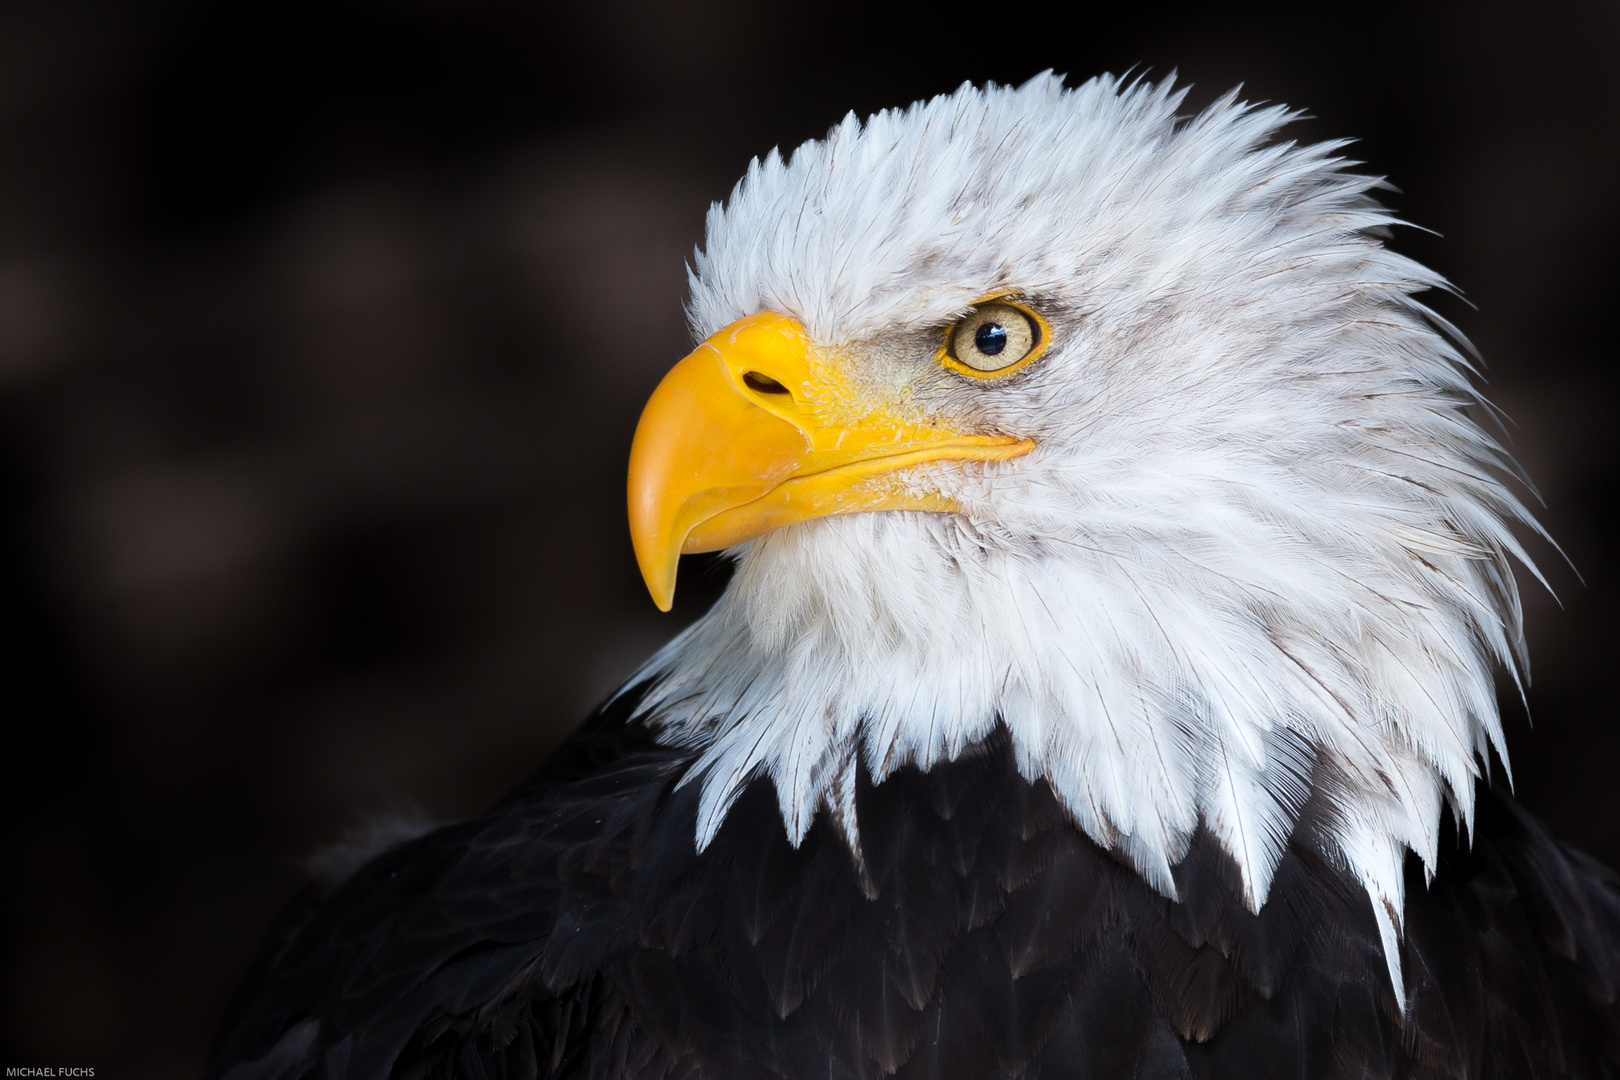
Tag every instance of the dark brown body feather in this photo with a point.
(573, 931)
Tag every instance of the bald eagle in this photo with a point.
(1104, 688)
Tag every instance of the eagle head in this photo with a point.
(1054, 409)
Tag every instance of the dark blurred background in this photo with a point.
(324, 328)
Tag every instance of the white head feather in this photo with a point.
(1262, 548)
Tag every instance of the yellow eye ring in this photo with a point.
(998, 337)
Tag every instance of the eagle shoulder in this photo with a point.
(575, 931)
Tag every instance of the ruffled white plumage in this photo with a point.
(1262, 547)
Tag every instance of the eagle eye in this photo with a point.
(994, 339)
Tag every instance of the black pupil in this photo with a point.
(990, 338)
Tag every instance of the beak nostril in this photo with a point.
(762, 384)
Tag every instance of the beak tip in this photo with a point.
(659, 578)
(658, 565)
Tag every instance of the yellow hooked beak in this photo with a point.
(751, 432)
